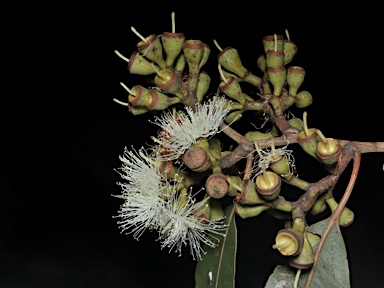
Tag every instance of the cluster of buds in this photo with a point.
(166, 57)
(186, 153)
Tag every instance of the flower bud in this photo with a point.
(217, 212)
(295, 77)
(309, 141)
(303, 99)
(230, 60)
(139, 65)
(269, 43)
(180, 64)
(248, 194)
(328, 151)
(251, 79)
(160, 101)
(319, 206)
(268, 185)
(281, 166)
(257, 135)
(215, 147)
(232, 89)
(346, 217)
(205, 56)
(151, 48)
(197, 159)
(234, 116)
(137, 110)
(274, 58)
(235, 184)
(312, 238)
(193, 52)
(216, 185)
(289, 241)
(297, 123)
(280, 215)
(262, 63)
(202, 85)
(305, 258)
(277, 76)
(290, 50)
(229, 74)
(172, 45)
(140, 96)
(247, 211)
(168, 80)
(203, 210)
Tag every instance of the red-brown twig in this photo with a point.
(334, 219)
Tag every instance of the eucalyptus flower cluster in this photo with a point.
(153, 202)
(186, 151)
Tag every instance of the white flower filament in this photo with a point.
(178, 134)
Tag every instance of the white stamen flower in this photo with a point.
(187, 225)
(140, 170)
(265, 156)
(179, 133)
(141, 212)
(144, 205)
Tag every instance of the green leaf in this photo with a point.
(217, 268)
(332, 267)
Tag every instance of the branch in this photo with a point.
(337, 213)
(247, 146)
(365, 147)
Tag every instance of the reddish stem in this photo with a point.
(337, 213)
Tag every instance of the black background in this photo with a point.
(62, 135)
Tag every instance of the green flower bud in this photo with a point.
(268, 185)
(205, 56)
(297, 123)
(247, 211)
(289, 241)
(234, 116)
(346, 217)
(274, 58)
(230, 60)
(262, 64)
(160, 101)
(202, 85)
(172, 45)
(232, 89)
(328, 150)
(257, 135)
(308, 141)
(281, 166)
(312, 238)
(168, 80)
(269, 43)
(139, 96)
(248, 194)
(217, 212)
(139, 65)
(215, 147)
(151, 48)
(180, 64)
(319, 206)
(305, 258)
(235, 184)
(290, 50)
(277, 76)
(303, 99)
(193, 52)
(295, 77)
